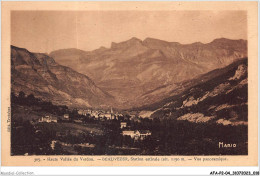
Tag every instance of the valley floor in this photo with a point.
(96, 137)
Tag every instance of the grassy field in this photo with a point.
(29, 113)
(73, 127)
(26, 113)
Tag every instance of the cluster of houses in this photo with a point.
(84, 145)
(134, 134)
(126, 130)
(48, 119)
(53, 119)
(137, 134)
(100, 114)
(96, 114)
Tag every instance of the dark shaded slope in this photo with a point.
(220, 95)
(39, 74)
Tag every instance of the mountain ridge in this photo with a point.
(39, 74)
(220, 96)
(145, 40)
(141, 66)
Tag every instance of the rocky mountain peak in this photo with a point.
(100, 49)
(44, 58)
(158, 44)
(225, 41)
(128, 43)
(21, 56)
(144, 66)
(67, 52)
(240, 72)
(153, 40)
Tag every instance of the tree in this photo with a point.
(21, 95)
(58, 149)
(31, 99)
(13, 98)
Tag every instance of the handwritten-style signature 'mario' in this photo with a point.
(224, 145)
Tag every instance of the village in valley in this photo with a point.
(42, 128)
(82, 131)
(160, 89)
(101, 115)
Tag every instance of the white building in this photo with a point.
(142, 134)
(123, 125)
(83, 112)
(129, 133)
(107, 115)
(53, 142)
(95, 114)
(137, 134)
(78, 121)
(48, 119)
(66, 116)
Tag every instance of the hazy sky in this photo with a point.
(45, 31)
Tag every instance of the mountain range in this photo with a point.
(220, 96)
(40, 75)
(137, 73)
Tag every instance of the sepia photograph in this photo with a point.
(140, 83)
(128, 83)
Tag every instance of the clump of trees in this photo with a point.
(169, 136)
(174, 137)
(31, 100)
(26, 139)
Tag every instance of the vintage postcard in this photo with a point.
(129, 84)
